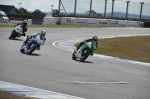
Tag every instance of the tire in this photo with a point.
(21, 49)
(32, 49)
(85, 56)
(73, 57)
(10, 37)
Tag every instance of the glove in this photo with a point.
(44, 39)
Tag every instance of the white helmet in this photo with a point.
(25, 21)
(42, 34)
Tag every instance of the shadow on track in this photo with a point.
(84, 61)
(16, 39)
(33, 54)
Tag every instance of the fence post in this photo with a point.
(127, 9)
(141, 9)
(105, 8)
(75, 7)
(90, 8)
(59, 8)
(112, 8)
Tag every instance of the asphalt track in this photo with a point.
(53, 69)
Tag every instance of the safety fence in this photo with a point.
(112, 9)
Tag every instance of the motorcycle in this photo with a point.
(34, 46)
(84, 51)
(17, 32)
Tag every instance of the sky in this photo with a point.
(31, 5)
(45, 5)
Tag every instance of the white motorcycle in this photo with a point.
(16, 32)
(34, 46)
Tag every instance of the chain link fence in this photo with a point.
(108, 9)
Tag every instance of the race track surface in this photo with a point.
(53, 69)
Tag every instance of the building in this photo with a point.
(8, 9)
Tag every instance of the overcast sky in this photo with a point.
(31, 5)
(45, 5)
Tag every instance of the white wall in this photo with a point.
(49, 20)
(92, 22)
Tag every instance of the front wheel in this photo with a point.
(85, 56)
(73, 57)
(22, 49)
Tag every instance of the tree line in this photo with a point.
(22, 14)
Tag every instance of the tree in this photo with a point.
(37, 15)
(93, 14)
(22, 11)
(55, 13)
(37, 11)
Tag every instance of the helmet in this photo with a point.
(95, 38)
(24, 22)
(42, 34)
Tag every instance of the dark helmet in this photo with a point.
(95, 38)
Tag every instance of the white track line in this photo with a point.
(33, 92)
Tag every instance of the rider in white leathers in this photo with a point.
(39, 38)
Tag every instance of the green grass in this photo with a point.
(134, 48)
(50, 26)
(7, 95)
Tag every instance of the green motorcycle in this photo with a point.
(84, 51)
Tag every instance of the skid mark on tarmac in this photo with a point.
(90, 83)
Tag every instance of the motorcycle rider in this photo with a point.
(31, 39)
(93, 39)
(30, 36)
(24, 26)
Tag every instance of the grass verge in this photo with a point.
(7, 95)
(133, 48)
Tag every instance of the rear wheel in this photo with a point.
(32, 48)
(13, 35)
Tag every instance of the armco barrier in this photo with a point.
(146, 24)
